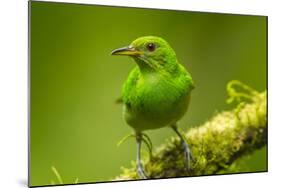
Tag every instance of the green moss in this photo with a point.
(217, 143)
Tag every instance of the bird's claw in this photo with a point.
(187, 156)
(141, 171)
(187, 153)
(140, 168)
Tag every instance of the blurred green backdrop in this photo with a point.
(75, 124)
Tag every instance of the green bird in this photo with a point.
(157, 91)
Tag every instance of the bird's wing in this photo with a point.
(187, 78)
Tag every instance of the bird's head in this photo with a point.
(150, 53)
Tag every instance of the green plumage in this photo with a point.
(157, 91)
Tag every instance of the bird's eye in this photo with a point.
(151, 47)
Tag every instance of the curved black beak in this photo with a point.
(128, 51)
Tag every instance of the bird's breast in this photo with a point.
(156, 102)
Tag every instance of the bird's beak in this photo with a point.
(129, 51)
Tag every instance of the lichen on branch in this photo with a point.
(217, 143)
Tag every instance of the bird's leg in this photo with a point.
(187, 152)
(140, 168)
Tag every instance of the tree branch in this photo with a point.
(215, 145)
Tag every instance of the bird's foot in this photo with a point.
(188, 157)
(141, 171)
(187, 152)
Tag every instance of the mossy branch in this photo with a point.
(217, 143)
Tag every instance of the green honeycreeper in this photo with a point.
(157, 91)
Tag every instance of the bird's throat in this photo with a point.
(146, 66)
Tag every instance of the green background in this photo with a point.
(75, 124)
